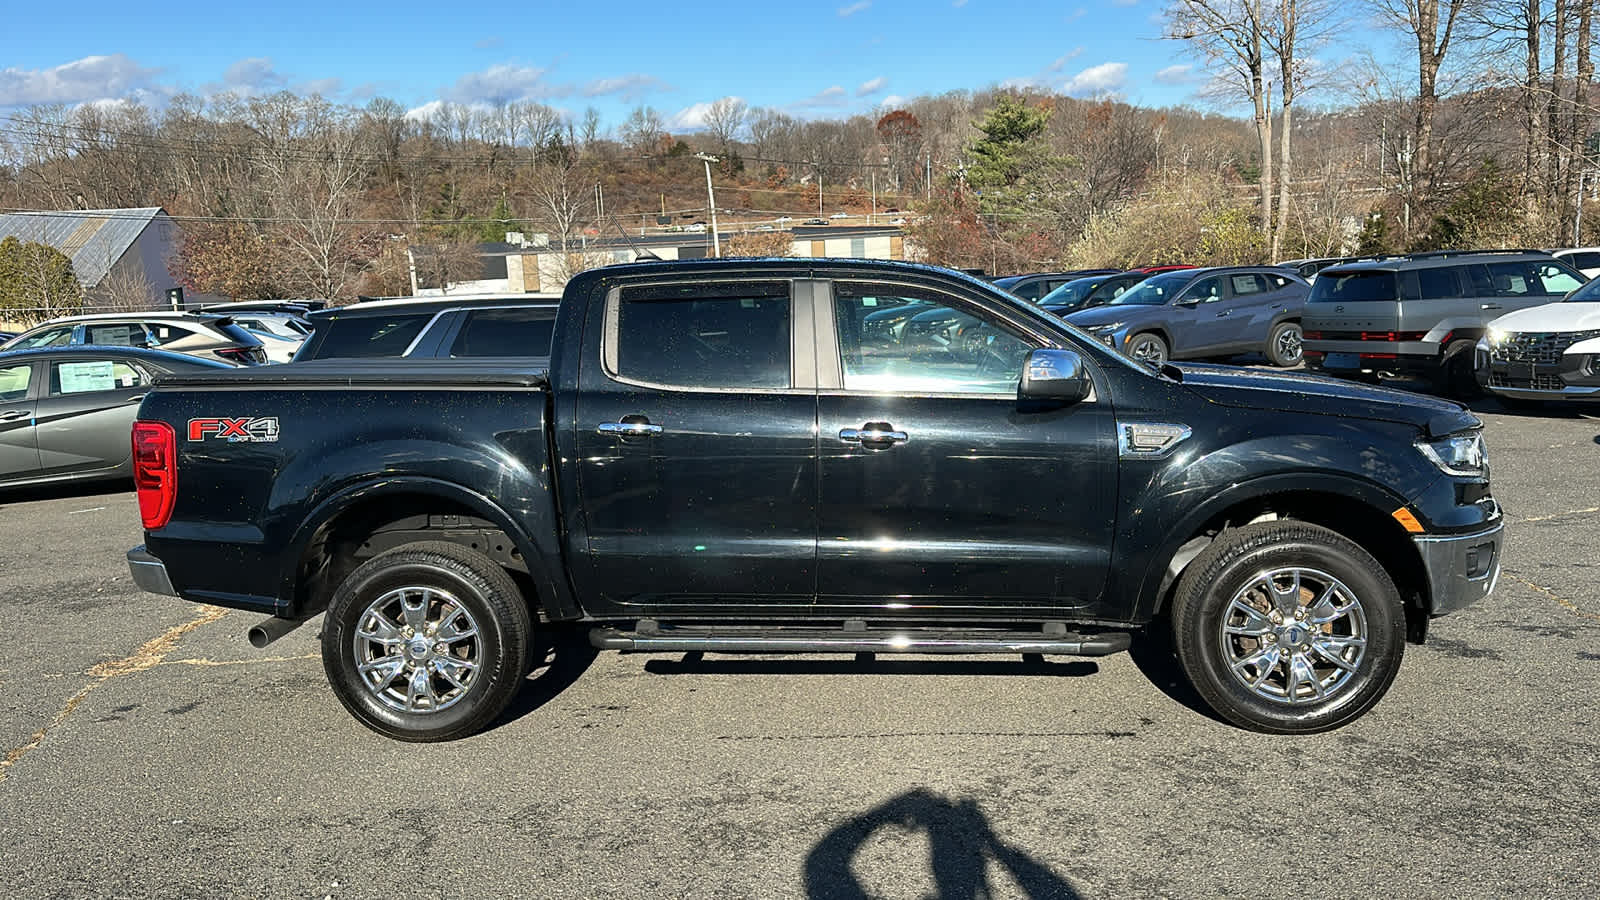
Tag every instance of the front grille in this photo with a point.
(1538, 383)
(1537, 346)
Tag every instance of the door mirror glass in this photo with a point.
(1055, 375)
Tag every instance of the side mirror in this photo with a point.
(1055, 375)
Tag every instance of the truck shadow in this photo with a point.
(963, 849)
(66, 491)
(1153, 655)
(560, 657)
(697, 664)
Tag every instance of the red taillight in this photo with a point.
(1311, 335)
(1393, 336)
(155, 472)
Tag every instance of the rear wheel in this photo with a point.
(1148, 347)
(427, 642)
(1288, 628)
(1283, 345)
(1455, 377)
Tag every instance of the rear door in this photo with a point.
(19, 451)
(697, 453)
(87, 412)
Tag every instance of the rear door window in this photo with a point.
(117, 334)
(504, 332)
(1246, 283)
(366, 337)
(89, 375)
(703, 336)
(1433, 284)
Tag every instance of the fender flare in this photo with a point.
(547, 573)
(1148, 598)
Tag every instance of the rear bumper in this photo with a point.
(149, 573)
(1462, 568)
(1416, 357)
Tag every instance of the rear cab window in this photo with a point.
(733, 336)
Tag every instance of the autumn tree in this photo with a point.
(225, 259)
(900, 133)
(36, 282)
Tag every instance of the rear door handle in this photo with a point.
(13, 415)
(1224, 313)
(1491, 306)
(628, 429)
(874, 434)
(136, 398)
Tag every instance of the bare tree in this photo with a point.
(1232, 36)
(1432, 24)
(644, 131)
(725, 120)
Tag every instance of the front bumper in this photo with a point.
(149, 573)
(1566, 379)
(1462, 568)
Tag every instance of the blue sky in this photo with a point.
(817, 59)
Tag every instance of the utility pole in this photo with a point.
(711, 200)
(872, 218)
(1577, 222)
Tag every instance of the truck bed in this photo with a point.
(377, 373)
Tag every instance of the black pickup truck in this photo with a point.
(736, 456)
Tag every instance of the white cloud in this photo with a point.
(425, 112)
(253, 75)
(504, 83)
(1097, 81)
(90, 78)
(872, 87)
(859, 6)
(891, 102)
(323, 86)
(629, 87)
(1179, 74)
(830, 96)
(958, 3)
(1061, 61)
(1078, 13)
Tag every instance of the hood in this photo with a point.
(1300, 393)
(1105, 315)
(1580, 316)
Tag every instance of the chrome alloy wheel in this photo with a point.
(417, 649)
(1288, 344)
(1294, 635)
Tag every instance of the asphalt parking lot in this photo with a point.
(145, 748)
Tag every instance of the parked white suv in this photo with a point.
(1549, 352)
(1584, 259)
(197, 334)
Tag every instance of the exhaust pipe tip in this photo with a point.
(270, 629)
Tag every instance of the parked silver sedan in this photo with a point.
(66, 413)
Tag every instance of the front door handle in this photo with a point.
(1224, 313)
(630, 426)
(874, 434)
(1491, 306)
(13, 415)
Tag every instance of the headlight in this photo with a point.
(1497, 335)
(1458, 454)
(1105, 329)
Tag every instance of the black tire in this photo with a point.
(498, 652)
(1455, 376)
(1284, 345)
(1148, 346)
(1227, 569)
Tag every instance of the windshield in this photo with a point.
(1588, 293)
(1156, 290)
(1072, 293)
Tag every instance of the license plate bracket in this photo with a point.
(1342, 361)
(1520, 374)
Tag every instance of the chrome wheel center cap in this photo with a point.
(417, 649)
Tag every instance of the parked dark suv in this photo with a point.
(1204, 312)
(1423, 314)
(448, 327)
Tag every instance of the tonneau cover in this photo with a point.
(522, 372)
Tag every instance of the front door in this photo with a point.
(1215, 319)
(697, 460)
(87, 414)
(939, 491)
(19, 453)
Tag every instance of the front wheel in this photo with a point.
(1288, 628)
(426, 642)
(1148, 347)
(1283, 345)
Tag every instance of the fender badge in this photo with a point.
(248, 430)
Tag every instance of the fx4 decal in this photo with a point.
(248, 430)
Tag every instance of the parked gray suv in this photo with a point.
(1423, 314)
(1204, 312)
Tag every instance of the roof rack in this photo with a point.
(1446, 254)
